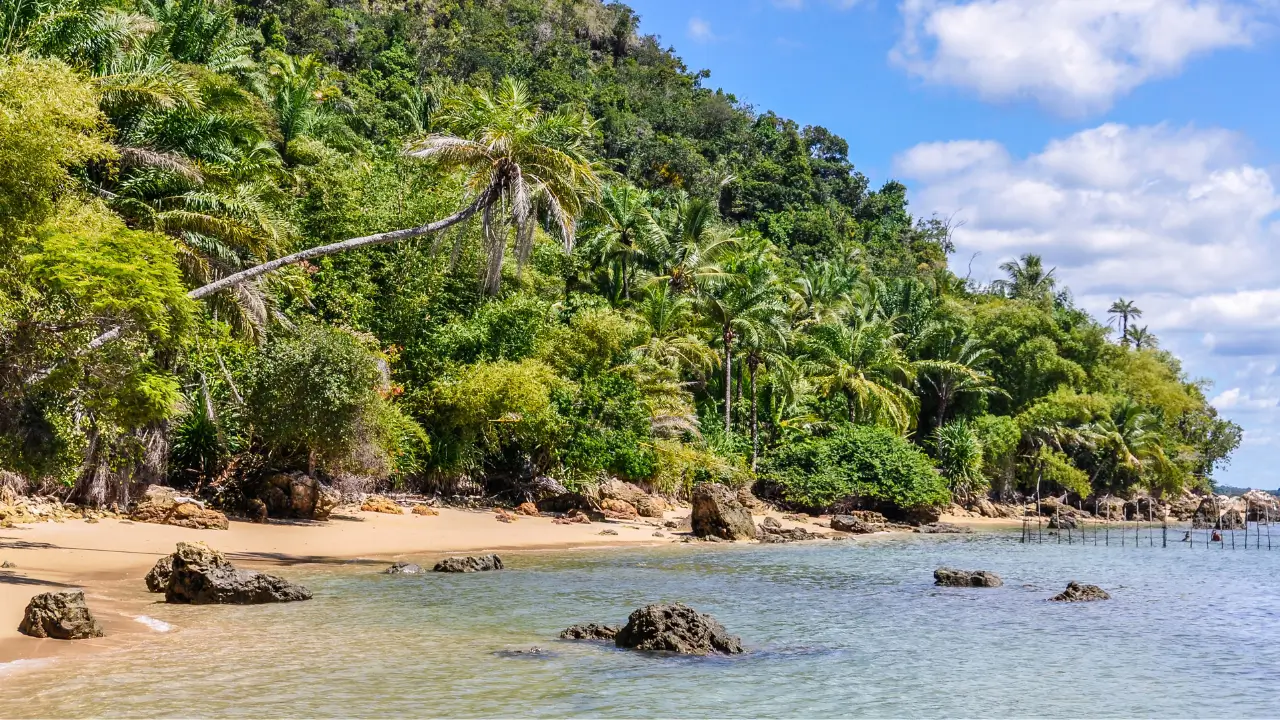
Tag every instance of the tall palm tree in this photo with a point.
(957, 370)
(689, 243)
(1141, 337)
(742, 307)
(624, 230)
(767, 351)
(1124, 311)
(862, 361)
(1028, 280)
(823, 292)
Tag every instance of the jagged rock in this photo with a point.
(589, 631)
(401, 568)
(618, 490)
(1261, 506)
(203, 576)
(158, 577)
(297, 495)
(502, 515)
(257, 511)
(618, 509)
(379, 504)
(795, 517)
(651, 506)
(1112, 508)
(562, 503)
(481, 563)
(850, 524)
(1076, 592)
(676, 628)
(770, 523)
(716, 511)
(1063, 522)
(750, 501)
(943, 528)
(950, 577)
(527, 508)
(163, 506)
(59, 615)
(1220, 513)
(424, 510)
(920, 515)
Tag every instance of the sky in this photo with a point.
(1133, 144)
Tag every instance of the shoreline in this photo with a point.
(109, 558)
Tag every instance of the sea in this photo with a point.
(832, 629)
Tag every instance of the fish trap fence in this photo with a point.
(1229, 530)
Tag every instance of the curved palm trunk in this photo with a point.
(481, 202)
(728, 378)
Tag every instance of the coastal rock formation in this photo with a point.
(1219, 512)
(589, 631)
(676, 628)
(771, 531)
(424, 510)
(158, 578)
(203, 576)
(482, 563)
(850, 524)
(1063, 522)
(618, 509)
(526, 508)
(379, 504)
(943, 528)
(651, 506)
(164, 506)
(401, 568)
(950, 577)
(256, 511)
(59, 615)
(1076, 592)
(297, 495)
(1261, 506)
(717, 511)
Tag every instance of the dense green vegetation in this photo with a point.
(578, 261)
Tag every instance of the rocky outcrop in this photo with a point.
(618, 509)
(1261, 506)
(482, 563)
(717, 511)
(589, 631)
(851, 524)
(628, 501)
(651, 506)
(943, 528)
(526, 508)
(771, 531)
(379, 504)
(1219, 512)
(297, 495)
(1076, 592)
(920, 515)
(61, 616)
(676, 628)
(950, 577)
(203, 576)
(164, 506)
(1063, 522)
(401, 568)
(158, 578)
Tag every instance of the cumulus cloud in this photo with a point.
(1072, 56)
(700, 30)
(1176, 218)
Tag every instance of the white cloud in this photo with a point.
(1177, 219)
(700, 30)
(1072, 56)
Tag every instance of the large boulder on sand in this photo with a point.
(482, 563)
(203, 576)
(164, 506)
(1076, 592)
(297, 495)
(717, 512)
(676, 628)
(851, 524)
(59, 615)
(950, 577)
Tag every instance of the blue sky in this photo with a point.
(1135, 144)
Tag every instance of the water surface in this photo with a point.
(833, 629)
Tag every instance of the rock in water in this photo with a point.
(850, 524)
(469, 564)
(950, 577)
(403, 569)
(1076, 592)
(158, 578)
(202, 576)
(676, 628)
(716, 511)
(1063, 522)
(589, 631)
(59, 615)
(939, 528)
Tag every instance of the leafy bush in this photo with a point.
(855, 462)
(960, 456)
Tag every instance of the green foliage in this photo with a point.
(856, 462)
(960, 458)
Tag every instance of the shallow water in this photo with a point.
(833, 629)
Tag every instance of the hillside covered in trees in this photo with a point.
(606, 268)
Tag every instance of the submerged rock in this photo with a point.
(950, 577)
(59, 615)
(403, 569)
(203, 576)
(717, 511)
(1076, 592)
(589, 631)
(676, 628)
(482, 563)
(158, 578)
(942, 528)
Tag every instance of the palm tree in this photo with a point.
(766, 351)
(1131, 437)
(303, 100)
(667, 317)
(1028, 280)
(956, 371)
(1124, 311)
(1141, 337)
(862, 360)
(743, 307)
(688, 243)
(823, 292)
(624, 229)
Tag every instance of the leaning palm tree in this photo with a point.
(1124, 311)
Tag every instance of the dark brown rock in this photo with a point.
(589, 631)
(850, 524)
(203, 576)
(950, 577)
(943, 528)
(1076, 592)
(401, 568)
(158, 578)
(676, 628)
(717, 511)
(61, 616)
(482, 563)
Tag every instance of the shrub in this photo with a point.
(856, 462)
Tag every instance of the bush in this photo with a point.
(868, 464)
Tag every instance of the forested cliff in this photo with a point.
(630, 274)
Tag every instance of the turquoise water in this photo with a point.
(833, 629)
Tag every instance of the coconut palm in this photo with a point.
(688, 243)
(624, 229)
(746, 307)
(1131, 440)
(823, 292)
(1141, 337)
(1028, 280)
(957, 370)
(668, 318)
(1124, 311)
(760, 351)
